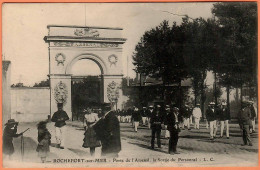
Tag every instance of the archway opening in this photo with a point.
(86, 87)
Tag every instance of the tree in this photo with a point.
(45, 83)
(159, 54)
(237, 23)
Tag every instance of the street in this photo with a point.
(195, 147)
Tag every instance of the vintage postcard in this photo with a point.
(130, 84)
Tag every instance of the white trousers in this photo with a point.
(197, 123)
(167, 134)
(253, 124)
(136, 124)
(213, 128)
(186, 122)
(224, 124)
(60, 135)
(191, 120)
(144, 120)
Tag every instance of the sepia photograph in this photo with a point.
(130, 84)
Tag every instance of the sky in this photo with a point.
(25, 25)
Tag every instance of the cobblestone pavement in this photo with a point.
(194, 145)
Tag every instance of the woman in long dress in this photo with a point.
(90, 139)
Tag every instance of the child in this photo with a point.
(44, 139)
(10, 132)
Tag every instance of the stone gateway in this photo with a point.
(69, 44)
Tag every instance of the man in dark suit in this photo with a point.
(245, 122)
(150, 111)
(108, 132)
(156, 126)
(173, 120)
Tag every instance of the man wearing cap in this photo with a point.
(186, 112)
(59, 118)
(211, 118)
(244, 122)
(168, 111)
(156, 126)
(224, 117)
(173, 119)
(197, 115)
(10, 132)
(150, 112)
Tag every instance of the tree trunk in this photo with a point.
(228, 105)
(180, 94)
(215, 87)
(241, 95)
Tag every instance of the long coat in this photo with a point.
(108, 132)
(9, 134)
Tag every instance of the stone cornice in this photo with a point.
(84, 39)
(75, 26)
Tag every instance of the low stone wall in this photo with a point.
(30, 104)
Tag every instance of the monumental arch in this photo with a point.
(69, 44)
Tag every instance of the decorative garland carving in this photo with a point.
(112, 60)
(113, 92)
(60, 58)
(85, 44)
(61, 93)
(86, 32)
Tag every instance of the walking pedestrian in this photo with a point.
(197, 115)
(150, 112)
(173, 120)
(168, 111)
(90, 140)
(244, 123)
(156, 126)
(10, 132)
(186, 112)
(144, 116)
(224, 117)
(108, 132)
(59, 118)
(136, 118)
(211, 117)
(253, 116)
(44, 141)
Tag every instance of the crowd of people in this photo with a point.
(102, 127)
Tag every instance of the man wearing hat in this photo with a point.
(253, 116)
(211, 118)
(168, 111)
(59, 118)
(149, 114)
(144, 116)
(186, 112)
(136, 116)
(197, 115)
(224, 117)
(173, 120)
(244, 122)
(156, 126)
(10, 132)
(108, 132)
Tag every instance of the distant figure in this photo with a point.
(149, 114)
(224, 117)
(186, 112)
(253, 116)
(211, 118)
(108, 132)
(144, 116)
(90, 139)
(136, 116)
(197, 115)
(59, 118)
(244, 122)
(44, 139)
(10, 132)
(156, 126)
(168, 111)
(173, 120)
